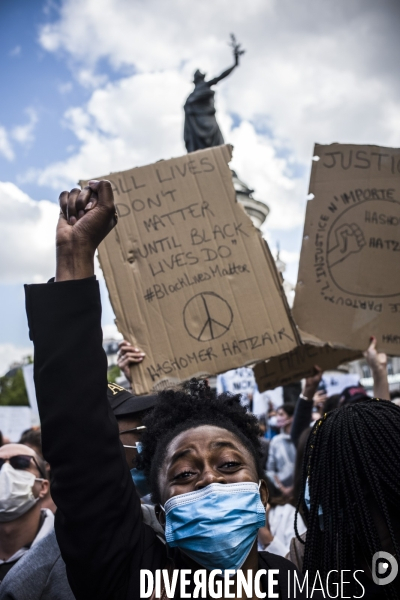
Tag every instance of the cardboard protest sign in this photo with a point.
(190, 279)
(299, 363)
(348, 286)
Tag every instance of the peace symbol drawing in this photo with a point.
(207, 317)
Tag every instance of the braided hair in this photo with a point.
(194, 405)
(351, 466)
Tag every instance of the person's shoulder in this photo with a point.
(277, 439)
(57, 585)
(32, 571)
(41, 556)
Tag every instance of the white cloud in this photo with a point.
(88, 79)
(23, 134)
(10, 353)
(110, 332)
(289, 257)
(139, 119)
(305, 78)
(65, 87)
(256, 161)
(16, 51)
(151, 35)
(5, 146)
(27, 233)
(133, 121)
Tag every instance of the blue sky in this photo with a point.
(93, 86)
(31, 80)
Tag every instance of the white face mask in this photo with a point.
(16, 496)
(272, 421)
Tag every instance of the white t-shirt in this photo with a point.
(281, 524)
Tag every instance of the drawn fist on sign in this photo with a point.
(349, 240)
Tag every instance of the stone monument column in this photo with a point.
(201, 130)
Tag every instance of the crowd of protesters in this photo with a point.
(187, 478)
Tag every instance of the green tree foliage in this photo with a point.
(113, 373)
(12, 390)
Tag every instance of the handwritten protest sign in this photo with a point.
(299, 363)
(348, 286)
(190, 279)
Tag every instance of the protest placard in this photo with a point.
(348, 287)
(299, 363)
(27, 371)
(190, 279)
(14, 420)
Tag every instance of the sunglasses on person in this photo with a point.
(138, 445)
(22, 462)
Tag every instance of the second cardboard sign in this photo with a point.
(300, 362)
(349, 278)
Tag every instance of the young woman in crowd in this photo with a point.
(200, 452)
(351, 495)
(282, 453)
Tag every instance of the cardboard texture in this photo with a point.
(348, 286)
(299, 363)
(190, 279)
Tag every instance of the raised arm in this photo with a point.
(86, 217)
(98, 521)
(223, 74)
(377, 362)
(237, 52)
(304, 405)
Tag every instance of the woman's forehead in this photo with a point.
(204, 437)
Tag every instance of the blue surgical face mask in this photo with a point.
(138, 477)
(140, 482)
(217, 525)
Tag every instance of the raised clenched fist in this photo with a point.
(86, 217)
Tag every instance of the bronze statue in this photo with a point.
(201, 127)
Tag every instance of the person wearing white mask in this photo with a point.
(282, 453)
(23, 485)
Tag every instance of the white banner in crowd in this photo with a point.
(30, 387)
(14, 420)
(238, 381)
(242, 381)
(336, 382)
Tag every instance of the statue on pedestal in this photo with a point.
(201, 127)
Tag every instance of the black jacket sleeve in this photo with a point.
(301, 419)
(99, 525)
